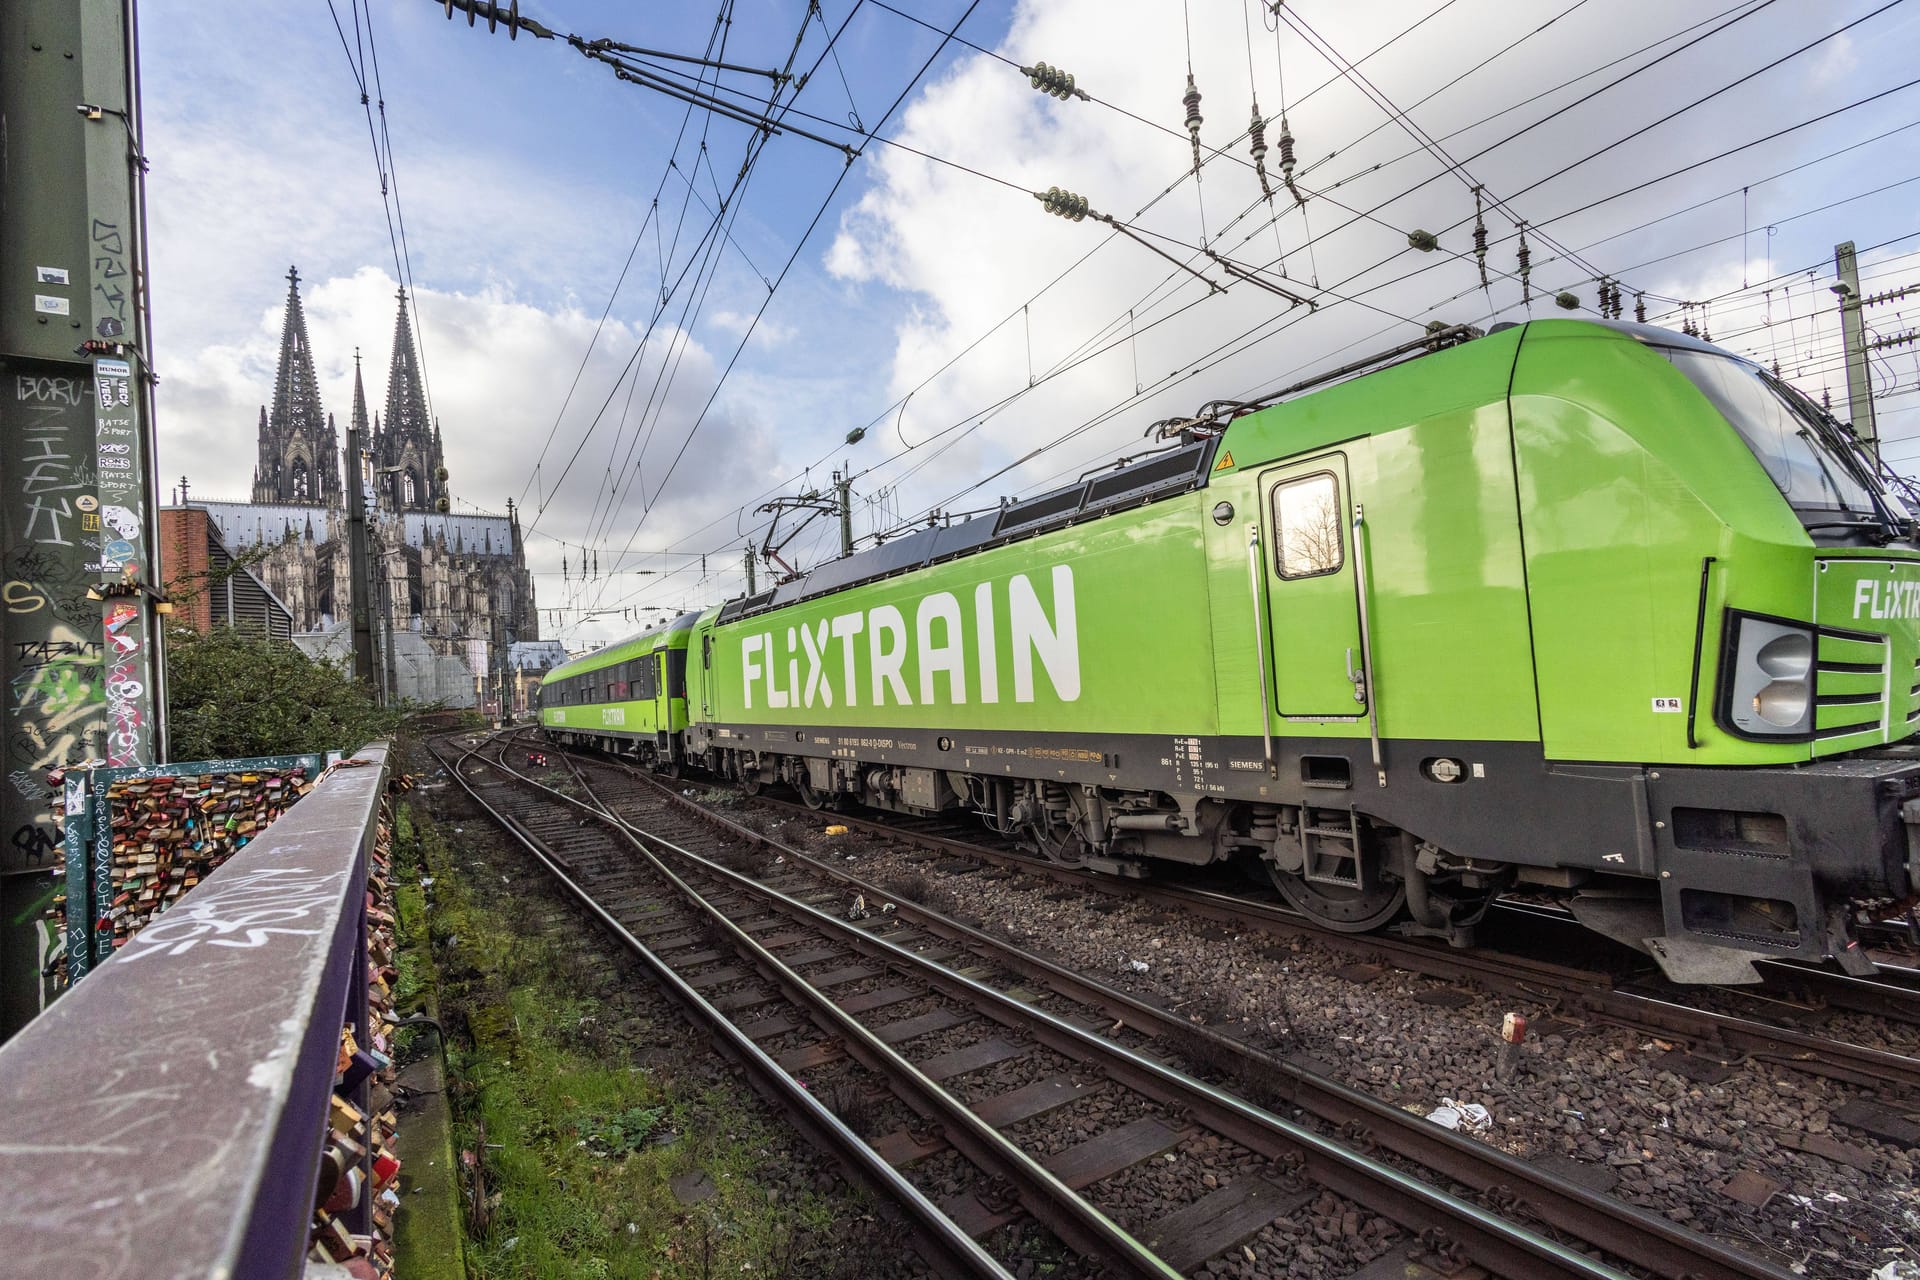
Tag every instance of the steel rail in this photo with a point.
(1635, 1235)
(1489, 1239)
(939, 1238)
(1576, 992)
(1071, 1216)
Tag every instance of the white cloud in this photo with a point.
(520, 218)
(766, 331)
(971, 253)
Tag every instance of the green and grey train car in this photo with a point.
(1577, 607)
(629, 698)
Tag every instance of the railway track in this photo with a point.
(1577, 995)
(1057, 1024)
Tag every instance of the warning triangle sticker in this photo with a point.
(1226, 460)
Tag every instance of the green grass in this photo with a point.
(580, 1144)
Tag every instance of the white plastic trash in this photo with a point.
(1470, 1116)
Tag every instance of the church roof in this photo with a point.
(535, 655)
(246, 524)
(471, 532)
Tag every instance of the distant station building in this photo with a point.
(527, 665)
(456, 598)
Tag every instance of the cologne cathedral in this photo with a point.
(456, 606)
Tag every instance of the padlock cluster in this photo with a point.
(169, 833)
(358, 1192)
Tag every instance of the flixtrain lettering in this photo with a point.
(1873, 599)
(945, 653)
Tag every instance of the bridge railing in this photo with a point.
(168, 1116)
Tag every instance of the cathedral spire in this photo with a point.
(298, 462)
(410, 440)
(359, 420)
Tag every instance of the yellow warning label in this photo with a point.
(1226, 460)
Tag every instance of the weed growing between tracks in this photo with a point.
(599, 1135)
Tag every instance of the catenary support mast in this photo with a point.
(80, 635)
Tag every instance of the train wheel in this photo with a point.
(808, 796)
(1348, 910)
(750, 783)
(1058, 842)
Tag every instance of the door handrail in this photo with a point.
(1366, 634)
(1257, 579)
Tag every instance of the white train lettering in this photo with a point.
(1900, 600)
(939, 643)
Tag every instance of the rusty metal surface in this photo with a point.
(165, 1117)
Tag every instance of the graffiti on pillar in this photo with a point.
(53, 667)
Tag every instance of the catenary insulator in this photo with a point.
(1776, 368)
(1257, 139)
(1287, 160)
(1826, 399)
(1053, 81)
(1525, 256)
(1192, 100)
(1479, 238)
(1640, 307)
(1424, 241)
(1063, 203)
(1567, 300)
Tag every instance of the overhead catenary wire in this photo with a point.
(1081, 93)
(989, 331)
(798, 247)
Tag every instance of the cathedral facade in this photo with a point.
(453, 602)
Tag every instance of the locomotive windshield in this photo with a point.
(1810, 459)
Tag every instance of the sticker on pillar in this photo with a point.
(48, 306)
(121, 520)
(50, 275)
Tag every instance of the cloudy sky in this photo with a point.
(641, 319)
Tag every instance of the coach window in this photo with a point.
(1307, 514)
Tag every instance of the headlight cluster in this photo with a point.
(1768, 679)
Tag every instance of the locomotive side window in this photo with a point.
(1306, 517)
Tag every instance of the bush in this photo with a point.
(234, 693)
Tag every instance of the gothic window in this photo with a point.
(302, 483)
(412, 487)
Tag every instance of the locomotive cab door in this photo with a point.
(1317, 663)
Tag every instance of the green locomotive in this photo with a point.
(1582, 607)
